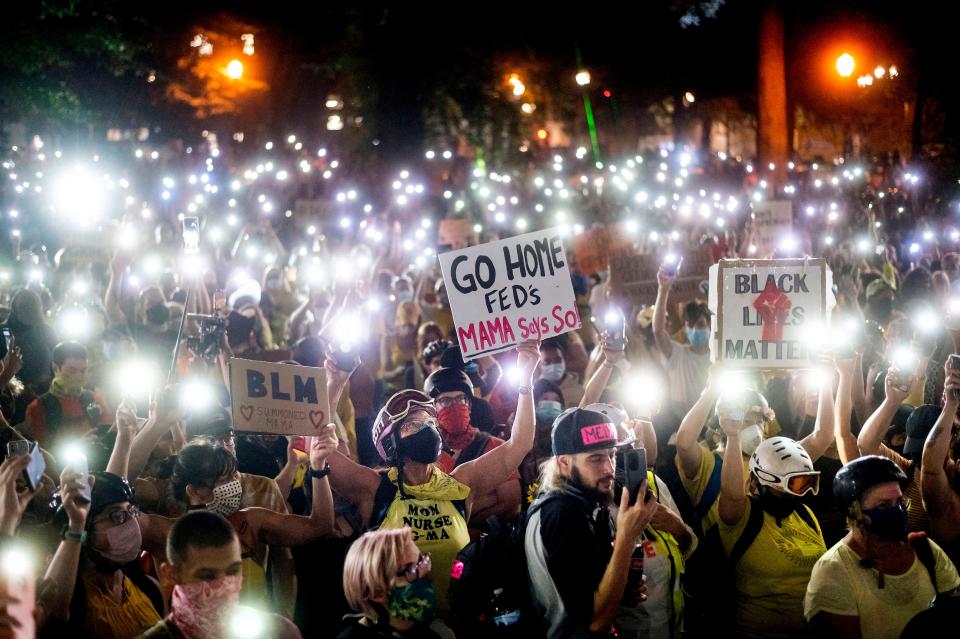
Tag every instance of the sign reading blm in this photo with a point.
(764, 311)
(283, 399)
(505, 292)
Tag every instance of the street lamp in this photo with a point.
(845, 65)
(235, 69)
(583, 77)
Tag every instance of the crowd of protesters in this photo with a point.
(451, 498)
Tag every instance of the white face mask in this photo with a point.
(226, 498)
(750, 438)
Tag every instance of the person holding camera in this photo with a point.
(578, 565)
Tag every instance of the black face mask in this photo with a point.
(158, 314)
(779, 507)
(422, 447)
(888, 523)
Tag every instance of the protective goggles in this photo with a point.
(406, 402)
(799, 484)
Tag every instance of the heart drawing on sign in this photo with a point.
(316, 418)
(247, 412)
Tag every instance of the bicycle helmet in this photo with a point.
(780, 462)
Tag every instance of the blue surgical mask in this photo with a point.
(403, 296)
(553, 372)
(698, 337)
(548, 410)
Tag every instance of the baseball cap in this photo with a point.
(578, 430)
(919, 423)
(208, 423)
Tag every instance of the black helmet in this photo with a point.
(861, 474)
(444, 380)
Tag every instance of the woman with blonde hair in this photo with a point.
(387, 579)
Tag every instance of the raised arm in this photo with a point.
(660, 332)
(846, 442)
(598, 382)
(688, 450)
(56, 591)
(487, 471)
(164, 414)
(817, 442)
(111, 300)
(939, 498)
(871, 435)
(733, 496)
(295, 530)
(126, 427)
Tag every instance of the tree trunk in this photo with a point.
(772, 137)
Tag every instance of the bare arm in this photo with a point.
(126, 426)
(871, 435)
(858, 391)
(733, 496)
(660, 333)
(159, 422)
(846, 442)
(688, 450)
(111, 300)
(503, 500)
(598, 382)
(487, 471)
(939, 498)
(817, 442)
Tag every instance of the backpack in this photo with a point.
(494, 561)
(53, 413)
(945, 607)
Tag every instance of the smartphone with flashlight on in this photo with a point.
(7, 336)
(191, 234)
(34, 471)
(671, 264)
(615, 330)
(634, 471)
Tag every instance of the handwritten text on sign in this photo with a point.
(508, 291)
(765, 311)
(278, 398)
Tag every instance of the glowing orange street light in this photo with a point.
(845, 65)
(235, 69)
(542, 134)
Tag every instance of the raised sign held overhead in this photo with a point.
(505, 292)
(766, 312)
(283, 399)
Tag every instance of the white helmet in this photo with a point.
(780, 462)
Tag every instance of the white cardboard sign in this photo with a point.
(505, 292)
(769, 313)
(772, 222)
(284, 399)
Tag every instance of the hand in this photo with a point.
(75, 505)
(126, 421)
(612, 356)
(7, 623)
(893, 392)
(631, 520)
(666, 519)
(13, 360)
(165, 406)
(664, 279)
(730, 423)
(322, 445)
(528, 356)
(334, 373)
(12, 503)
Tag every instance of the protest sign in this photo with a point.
(594, 246)
(634, 277)
(772, 222)
(310, 209)
(505, 292)
(283, 399)
(764, 311)
(456, 233)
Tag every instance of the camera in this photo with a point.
(207, 343)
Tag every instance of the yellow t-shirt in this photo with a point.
(839, 585)
(697, 485)
(771, 577)
(108, 619)
(438, 528)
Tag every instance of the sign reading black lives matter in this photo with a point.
(505, 292)
(765, 310)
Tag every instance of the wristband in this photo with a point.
(524, 390)
(319, 474)
(67, 535)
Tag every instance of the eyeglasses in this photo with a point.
(417, 570)
(799, 484)
(120, 517)
(408, 428)
(446, 402)
(223, 438)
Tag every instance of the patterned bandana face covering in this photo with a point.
(413, 602)
(198, 610)
(226, 498)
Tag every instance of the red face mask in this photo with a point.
(454, 419)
